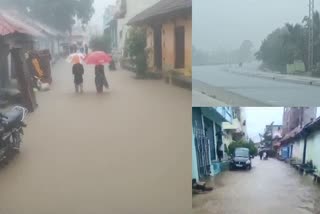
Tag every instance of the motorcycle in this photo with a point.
(11, 129)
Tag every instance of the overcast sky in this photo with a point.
(99, 6)
(259, 117)
(224, 24)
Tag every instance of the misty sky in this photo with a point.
(225, 24)
(259, 117)
(99, 6)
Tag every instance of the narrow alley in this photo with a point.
(121, 152)
(270, 187)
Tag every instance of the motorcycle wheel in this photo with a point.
(16, 138)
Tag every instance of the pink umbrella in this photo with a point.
(98, 58)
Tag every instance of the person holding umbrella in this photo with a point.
(78, 71)
(100, 78)
(98, 58)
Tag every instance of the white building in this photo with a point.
(126, 10)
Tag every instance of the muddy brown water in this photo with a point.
(270, 187)
(126, 151)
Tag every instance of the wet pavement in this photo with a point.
(237, 90)
(125, 151)
(270, 187)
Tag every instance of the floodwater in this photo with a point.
(126, 151)
(270, 187)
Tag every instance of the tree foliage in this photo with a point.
(60, 14)
(289, 43)
(135, 49)
(243, 54)
(245, 51)
(237, 144)
(101, 43)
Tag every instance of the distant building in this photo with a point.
(272, 134)
(110, 25)
(116, 18)
(235, 130)
(79, 35)
(297, 116)
(294, 119)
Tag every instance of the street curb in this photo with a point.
(228, 97)
(277, 78)
(210, 101)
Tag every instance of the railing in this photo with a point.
(203, 153)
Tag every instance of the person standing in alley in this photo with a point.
(219, 145)
(86, 49)
(78, 71)
(100, 79)
(260, 154)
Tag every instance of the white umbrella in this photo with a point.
(75, 57)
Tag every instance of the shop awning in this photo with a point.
(160, 9)
(10, 25)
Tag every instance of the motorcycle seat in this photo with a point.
(13, 118)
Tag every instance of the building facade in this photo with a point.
(294, 120)
(297, 116)
(116, 20)
(169, 36)
(208, 139)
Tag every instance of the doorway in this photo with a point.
(157, 38)
(208, 125)
(180, 47)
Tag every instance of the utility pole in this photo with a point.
(310, 30)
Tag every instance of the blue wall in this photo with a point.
(286, 151)
(226, 112)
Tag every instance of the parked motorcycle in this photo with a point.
(11, 129)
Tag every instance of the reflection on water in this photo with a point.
(270, 187)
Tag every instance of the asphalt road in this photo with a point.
(270, 186)
(235, 89)
(126, 151)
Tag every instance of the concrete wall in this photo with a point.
(297, 66)
(313, 148)
(297, 152)
(134, 7)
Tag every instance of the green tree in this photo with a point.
(135, 45)
(60, 14)
(237, 144)
(290, 43)
(100, 43)
(274, 52)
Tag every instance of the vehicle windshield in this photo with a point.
(241, 153)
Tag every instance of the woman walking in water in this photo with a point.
(100, 78)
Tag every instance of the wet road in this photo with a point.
(122, 152)
(270, 187)
(231, 88)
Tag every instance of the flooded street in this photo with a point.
(122, 152)
(270, 187)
